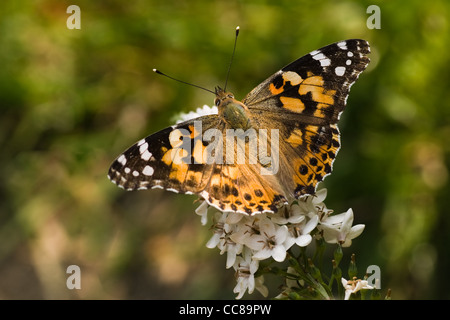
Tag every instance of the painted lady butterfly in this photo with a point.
(296, 110)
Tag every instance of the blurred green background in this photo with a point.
(73, 100)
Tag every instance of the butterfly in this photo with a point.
(285, 139)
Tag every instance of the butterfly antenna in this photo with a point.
(190, 84)
(232, 57)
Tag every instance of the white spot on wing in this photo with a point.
(324, 61)
(339, 71)
(122, 160)
(148, 171)
(172, 189)
(143, 148)
(342, 45)
(143, 185)
(146, 155)
(135, 173)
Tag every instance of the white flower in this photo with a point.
(286, 215)
(221, 239)
(338, 229)
(246, 229)
(314, 205)
(205, 110)
(245, 269)
(352, 286)
(218, 228)
(202, 211)
(269, 242)
(300, 233)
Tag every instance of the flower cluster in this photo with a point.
(203, 111)
(249, 239)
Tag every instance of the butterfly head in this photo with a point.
(222, 96)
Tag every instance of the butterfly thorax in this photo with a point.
(233, 112)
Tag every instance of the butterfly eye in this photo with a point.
(217, 102)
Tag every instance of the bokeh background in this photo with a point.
(72, 100)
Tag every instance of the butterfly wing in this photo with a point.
(242, 188)
(169, 159)
(178, 159)
(305, 100)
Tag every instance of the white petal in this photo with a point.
(234, 218)
(320, 196)
(267, 227)
(336, 219)
(279, 253)
(247, 255)
(296, 218)
(202, 208)
(263, 254)
(330, 235)
(279, 220)
(344, 282)
(365, 284)
(251, 284)
(255, 242)
(231, 258)
(347, 294)
(310, 225)
(303, 240)
(281, 234)
(348, 221)
(205, 110)
(254, 265)
(212, 243)
(202, 211)
(239, 237)
(289, 242)
(239, 288)
(356, 231)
